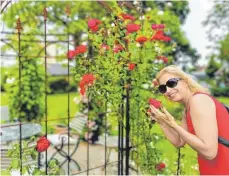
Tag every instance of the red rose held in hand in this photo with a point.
(155, 83)
(155, 103)
(42, 144)
(160, 166)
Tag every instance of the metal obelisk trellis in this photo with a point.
(19, 28)
(67, 11)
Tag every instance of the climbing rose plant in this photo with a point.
(124, 54)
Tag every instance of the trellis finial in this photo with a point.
(67, 10)
(45, 13)
(19, 27)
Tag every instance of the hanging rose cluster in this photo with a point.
(94, 27)
(86, 81)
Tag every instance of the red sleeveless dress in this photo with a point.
(220, 164)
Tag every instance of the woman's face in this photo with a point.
(177, 93)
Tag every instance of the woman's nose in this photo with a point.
(168, 90)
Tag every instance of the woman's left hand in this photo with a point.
(164, 116)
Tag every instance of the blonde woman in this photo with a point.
(204, 120)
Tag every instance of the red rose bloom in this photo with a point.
(80, 49)
(71, 54)
(105, 47)
(158, 26)
(161, 26)
(82, 90)
(42, 144)
(160, 166)
(160, 36)
(141, 39)
(87, 80)
(131, 66)
(132, 28)
(155, 103)
(166, 38)
(95, 28)
(127, 17)
(155, 83)
(163, 58)
(117, 48)
(93, 24)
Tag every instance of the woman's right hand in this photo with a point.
(153, 117)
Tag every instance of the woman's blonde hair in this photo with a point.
(193, 85)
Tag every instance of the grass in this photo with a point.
(57, 105)
(224, 100)
(188, 161)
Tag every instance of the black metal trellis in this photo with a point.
(69, 157)
(19, 28)
(46, 85)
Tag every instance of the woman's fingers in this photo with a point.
(153, 118)
(157, 112)
(167, 113)
(154, 110)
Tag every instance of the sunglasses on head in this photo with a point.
(170, 83)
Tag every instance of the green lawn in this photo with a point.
(188, 161)
(57, 105)
(224, 100)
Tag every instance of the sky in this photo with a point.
(195, 31)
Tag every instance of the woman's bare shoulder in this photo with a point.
(202, 102)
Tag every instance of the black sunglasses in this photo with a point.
(170, 83)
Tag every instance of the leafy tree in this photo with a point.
(217, 23)
(224, 57)
(180, 9)
(31, 14)
(26, 101)
(213, 66)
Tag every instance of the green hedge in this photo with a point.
(217, 91)
(60, 84)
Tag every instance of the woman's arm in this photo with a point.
(203, 114)
(172, 135)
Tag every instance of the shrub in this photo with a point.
(26, 102)
(61, 85)
(220, 91)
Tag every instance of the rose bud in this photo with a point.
(160, 166)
